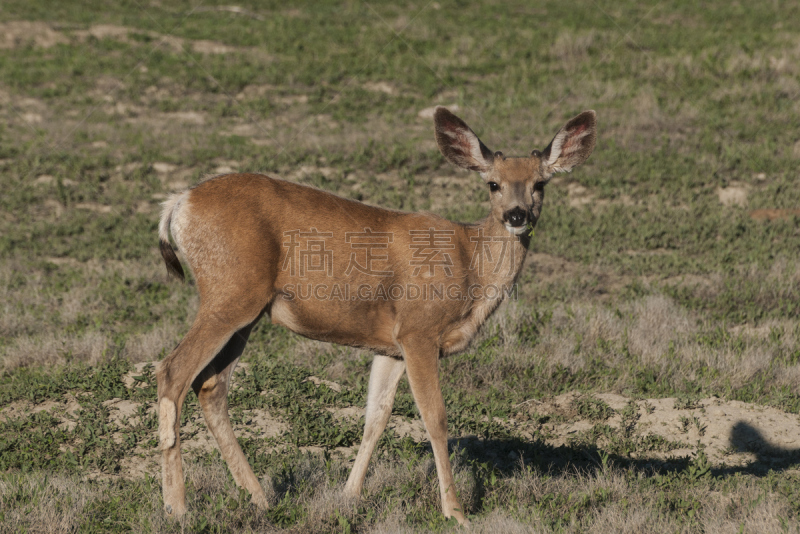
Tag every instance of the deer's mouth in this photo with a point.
(516, 230)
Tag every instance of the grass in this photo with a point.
(646, 280)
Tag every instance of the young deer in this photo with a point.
(411, 287)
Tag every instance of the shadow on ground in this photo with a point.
(506, 456)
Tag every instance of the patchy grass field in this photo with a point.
(646, 377)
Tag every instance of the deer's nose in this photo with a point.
(516, 217)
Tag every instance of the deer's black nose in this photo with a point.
(516, 217)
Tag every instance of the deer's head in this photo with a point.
(516, 184)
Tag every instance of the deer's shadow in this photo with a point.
(507, 456)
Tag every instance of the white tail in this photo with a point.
(412, 287)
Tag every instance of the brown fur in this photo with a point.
(242, 236)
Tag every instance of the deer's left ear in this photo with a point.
(459, 144)
(572, 145)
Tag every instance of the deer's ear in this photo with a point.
(572, 145)
(459, 144)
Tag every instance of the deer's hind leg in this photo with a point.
(212, 388)
(210, 335)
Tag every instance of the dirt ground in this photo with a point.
(732, 434)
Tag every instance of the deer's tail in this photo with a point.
(167, 252)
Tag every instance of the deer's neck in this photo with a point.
(497, 259)
(498, 255)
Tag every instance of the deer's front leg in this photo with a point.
(386, 373)
(422, 364)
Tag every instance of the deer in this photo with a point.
(411, 287)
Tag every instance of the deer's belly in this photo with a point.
(346, 323)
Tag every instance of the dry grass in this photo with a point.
(147, 346)
(678, 117)
(55, 504)
(658, 321)
(62, 502)
(747, 509)
(34, 314)
(656, 333)
(571, 49)
(52, 349)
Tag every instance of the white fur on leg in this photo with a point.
(167, 413)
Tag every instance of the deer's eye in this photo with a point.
(493, 187)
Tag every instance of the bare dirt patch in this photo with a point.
(175, 44)
(22, 33)
(578, 195)
(381, 87)
(165, 121)
(773, 214)
(94, 206)
(39, 34)
(733, 195)
(732, 433)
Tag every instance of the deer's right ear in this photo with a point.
(459, 144)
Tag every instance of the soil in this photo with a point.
(732, 433)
